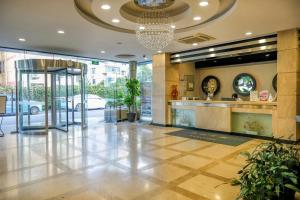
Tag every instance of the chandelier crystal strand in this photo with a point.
(154, 30)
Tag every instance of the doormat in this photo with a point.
(210, 136)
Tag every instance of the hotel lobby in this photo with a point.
(149, 99)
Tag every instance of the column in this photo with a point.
(132, 69)
(288, 92)
(164, 76)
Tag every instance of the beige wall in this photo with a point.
(263, 73)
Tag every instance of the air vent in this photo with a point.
(125, 56)
(199, 37)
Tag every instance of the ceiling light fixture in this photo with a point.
(197, 18)
(262, 41)
(115, 20)
(212, 55)
(263, 48)
(203, 3)
(248, 33)
(159, 51)
(155, 30)
(105, 7)
(22, 39)
(195, 44)
(61, 32)
(102, 52)
(211, 49)
(173, 26)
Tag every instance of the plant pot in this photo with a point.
(131, 117)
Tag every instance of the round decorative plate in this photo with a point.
(210, 84)
(274, 82)
(243, 84)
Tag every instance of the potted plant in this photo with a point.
(272, 172)
(133, 90)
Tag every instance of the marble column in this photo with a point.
(164, 76)
(132, 69)
(288, 92)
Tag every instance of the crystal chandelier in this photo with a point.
(154, 30)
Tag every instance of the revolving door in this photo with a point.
(50, 94)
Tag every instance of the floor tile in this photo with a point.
(225, 170)
(163, 154)
(127, 188)
(169, 195)
(86, 195)
(81, 162)
(136, 162)
(190, 145)
(217, 151)
(167, 141)
(166, 172)
(210, 188)
(191, 161)
(28, 175)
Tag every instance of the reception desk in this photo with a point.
(255, 118)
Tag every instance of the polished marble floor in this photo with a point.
(117, 162)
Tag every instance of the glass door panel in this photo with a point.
(31, 106)
(60, 93)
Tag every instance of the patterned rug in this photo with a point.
(210, 136)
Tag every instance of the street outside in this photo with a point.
(9, 122)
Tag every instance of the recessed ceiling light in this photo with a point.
(262, 41)
(177, 55)
(145, 58)
(263, 48)
(102, 52)
(61, 32)
(159, 51)
(212, 55)
(173, 26)
(203, 3)
(248, 33)
(197, 18)
(115, 20)
(211, 49)
(105, 7)
(22, 39)
(195, 44)
(142, 27)
(178, 60)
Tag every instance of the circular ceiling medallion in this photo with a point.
(154, 4)
(125, 56)
(181, 12)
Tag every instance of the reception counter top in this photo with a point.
(248, 117)
(255, 103)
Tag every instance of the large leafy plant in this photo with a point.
(271, 172)
(133, 91)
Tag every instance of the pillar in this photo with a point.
(132, 69)
(163, 77)
(288, 88)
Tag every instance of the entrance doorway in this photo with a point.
(50, 94)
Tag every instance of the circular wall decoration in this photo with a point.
(274, 82)
(243, 84)
(210, 84)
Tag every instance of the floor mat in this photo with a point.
(210, 136)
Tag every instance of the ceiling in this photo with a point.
(39, 20)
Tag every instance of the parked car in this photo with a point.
(93, 102)
(35, 107)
